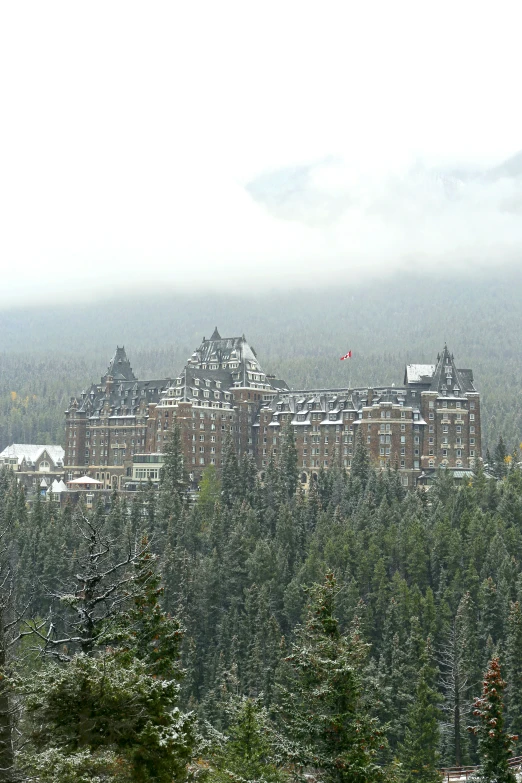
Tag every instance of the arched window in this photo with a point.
(304, 478)
(314, 476)
(44, 466)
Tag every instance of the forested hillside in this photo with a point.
(49, 353)
(345, 632)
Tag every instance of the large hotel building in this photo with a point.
(116, 430)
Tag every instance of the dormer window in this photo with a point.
(196, 381)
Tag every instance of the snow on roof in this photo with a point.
(415, 372)
(58, 486)
(32, 452)
(84, 480)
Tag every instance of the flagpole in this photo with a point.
(343, 358)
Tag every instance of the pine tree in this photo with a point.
(287, 463)
(247, 753)
(514, 672)
(118, 696)
(499, 459)
(327, 726)
(361, 460)
(419, 752)
(231, 488)
(494, 743)
(209, 492)
(173, 482)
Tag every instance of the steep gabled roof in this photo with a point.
(447, 380)
(119, 368)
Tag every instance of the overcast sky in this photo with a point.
(232, 143)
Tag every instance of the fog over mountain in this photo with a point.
(228, 150)
(420, 215)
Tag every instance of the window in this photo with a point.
(431, 415)
(472, 406)
(472, 417)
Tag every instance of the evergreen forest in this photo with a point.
(357, 633)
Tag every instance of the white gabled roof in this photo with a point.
(84, 480)
(58, 487)
(414, 372)
(32, 452)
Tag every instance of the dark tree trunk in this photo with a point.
(456, 724)
(6, 740)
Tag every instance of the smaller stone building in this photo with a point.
(36, 466)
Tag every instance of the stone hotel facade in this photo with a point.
(116, 430)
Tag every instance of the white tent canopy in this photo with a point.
(84, 480)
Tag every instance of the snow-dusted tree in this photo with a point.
(495, 744)
(246, 752)
(325, 722)
(111, 690)
(419, 752)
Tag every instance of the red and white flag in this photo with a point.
(346, 356)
